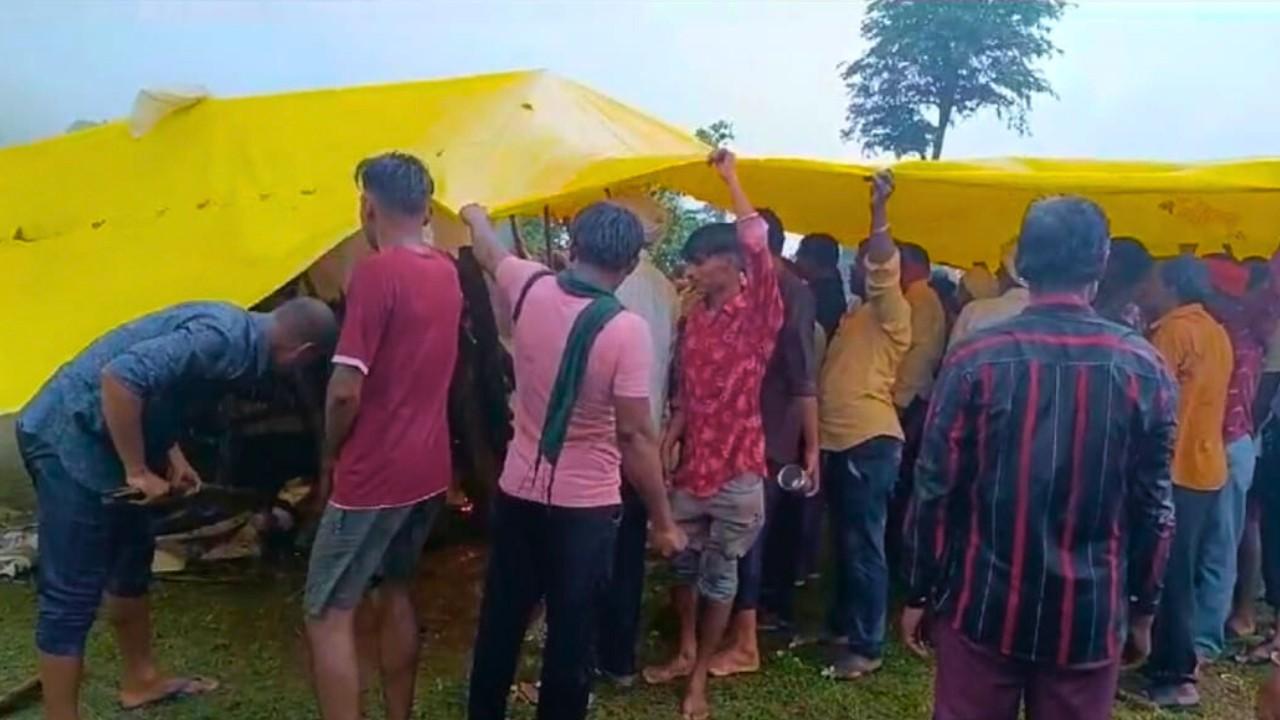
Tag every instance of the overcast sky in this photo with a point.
(1168, 80)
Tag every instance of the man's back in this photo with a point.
(928, 340)
(1046, 474)
(587, 474)
(401, 331)
(189, 350)
(1198, 352)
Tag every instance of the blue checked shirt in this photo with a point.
(177, 360)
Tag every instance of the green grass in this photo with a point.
(245, 631)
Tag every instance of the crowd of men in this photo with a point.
(1057, 457)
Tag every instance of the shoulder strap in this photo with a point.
(524, 292)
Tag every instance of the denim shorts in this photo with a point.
(355, 548)
(85, 549)
(721, 529)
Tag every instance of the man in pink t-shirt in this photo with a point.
(581, 411)
(386, 462)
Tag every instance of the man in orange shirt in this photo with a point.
(1198, 352)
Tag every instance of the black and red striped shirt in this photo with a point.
(1043, 501)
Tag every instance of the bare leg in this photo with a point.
(60, 683)
(714, 620)
(742, 655)
(334, 664)
(398, 643)
(130, 620)
(685, 601)
(1243, 620)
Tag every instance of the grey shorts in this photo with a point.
(353, 548)
(721, 529)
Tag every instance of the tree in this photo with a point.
(931, 63)
(717, 134)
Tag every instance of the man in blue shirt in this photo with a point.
(108, 420)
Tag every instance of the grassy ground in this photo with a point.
(242, 627)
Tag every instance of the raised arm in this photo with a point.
(762, 278)
(880, 245)
(488, 250)
(726, 165)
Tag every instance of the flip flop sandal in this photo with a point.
(1257, 656)
(854, 673)
(732, 672)
(527, 692)
(178, 689)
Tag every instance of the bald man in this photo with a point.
(109, 422)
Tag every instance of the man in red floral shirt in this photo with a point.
(715, 440)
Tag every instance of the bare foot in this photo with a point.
(165, 690)
(694, 706)
(735, 661)
(679, 667)
(1241, 627)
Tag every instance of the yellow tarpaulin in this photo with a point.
(227, 199)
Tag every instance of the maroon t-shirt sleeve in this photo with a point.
(365, 320)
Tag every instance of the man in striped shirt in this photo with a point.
(1043, 500)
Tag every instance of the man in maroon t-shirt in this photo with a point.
(386, 450)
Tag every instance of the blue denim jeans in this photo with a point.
(859, 482)
(1216, 575)
(86, 549)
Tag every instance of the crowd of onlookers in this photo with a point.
(1055, 460)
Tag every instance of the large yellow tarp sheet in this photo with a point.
(227, 199)
(230, 198)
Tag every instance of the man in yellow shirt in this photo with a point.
(862, 440)
(1198, 352)
(928, 332)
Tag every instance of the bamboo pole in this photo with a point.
(518, 241)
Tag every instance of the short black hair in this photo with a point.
(606, 235)
(1187, 278)
(1063, 243)
(710, 240)
(399, 182)
(309, 320)
(1130, 262)
(914, 253)
(777, 235)
(820, 249)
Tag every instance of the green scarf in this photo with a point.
(573, 363)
